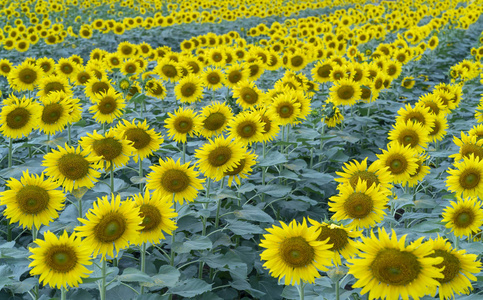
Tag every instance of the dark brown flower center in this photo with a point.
(110, 228)
(175, 181)
(32, 199)
(73, 166)
(345, 92)
(151, 217)
(214, 121)
(27, 76)
(219, 156)
(337, 237)
(296, 252)
(395, 267)
(52, 113)
(108, 148)
(18, 118)
(138, 136)
(183, 124)
(358, 205)
(61, 258)
(107, 105)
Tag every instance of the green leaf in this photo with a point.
(190, 288)
(168, 277)
(274, 190)
(134, 275)
(197, 243)
(242, 228)
(253, 213)
(272, 158)
(247, 187)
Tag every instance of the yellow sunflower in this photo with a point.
(5, 67)
(247, 94)
(107, 106)
(19, 117)
(95, 88)
(271, 127)
(331, 114)
(389, 269)
(411, 134)
(168, 69)
(464, 216)
(293, 252)
(47, 65)
(236, 73)
(145, 140)
(174, 179)
(438, 131)
(345, 92)
(32, 201)
(213, 78)
(468, 144)
(340, 237)
(71, 167)
(421, 171)
(418, 113)
(53, 83)
(242, 168)
(113, 151)
(363, 205)
(400, 160)
(218, 156)
(246, 128)
(214, 119)
(110, 225)
(54, 113)
(285, 108)
(61, 261)
(408, 82)
(434, 103)
(321, 71)
(189, 89)
(458, 269)
(25, 76)
(374, 175)
(182, 123)
(467, 177)
(66, 68)
(155, 88)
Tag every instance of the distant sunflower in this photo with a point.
(54, 113)
(408, 82)
(271, 127)
(321, 71)
(71, 167)
(155, 88)
(83, 76)
(95, 88)
(189, 89)
(168, 69)
(285, 108)
(467, 177)
(218, 156)
(386, 267)
(61, 261)
(145, 140)
(374, 175)
(5, 67)
(458, 269)
(130, 67)
(411, 134)
(293, 252)
(47, 65)
(173, 179)
(67, 68)
(53, 83)
(246, 128)
(107, 106)
(236, 73)
(418, 113)
(363, 205)
(438, 131)
(25, 76)
(242, 168)
(183, 122)
(19, 117)
(400, 160)
(464, 216)
(247, 94)
(110, 225)
(421, 171)
(111, 149)
(157, 214)
(340, 237)
(214, 119)
(331, 114)
(467, 145)
(345, 92)
(32, 201)
(213, 78)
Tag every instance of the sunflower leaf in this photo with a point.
(190, 288)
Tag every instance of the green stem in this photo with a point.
(301, 289)
(218, 207)
(337, 290)
(141, 187)
(63, 293)
(10, 152)
(183, 160)
(456, 242)
(48, 143)
(102, 288)
(36, 288)
(203, 229)
(171, 261)
(143, 263)
(79, 208)
(34, 233)
(69, 142)
(111, 180)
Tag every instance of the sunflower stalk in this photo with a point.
(173, 234)
(102, 288)
(69, 141)
(143, 263)
(183, 157)
(140, 172)
(204, 221)
(301, 289)
(63, 293)
(337, 290)
(218, 207)
(36, 287)
(10, 152)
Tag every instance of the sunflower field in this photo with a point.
(255, 149)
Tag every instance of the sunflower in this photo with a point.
(297, 61)
(155, 88)
(418, 113)
(304, 102)
(130, 67)
(189, 89)
(345, 92)
(285, 108)
(218, 156)
(61, 261)
(107, 106)
(247, 94)
(32, 201)
(458, 269)
(294, 252)
(363, 205)
(331, 114)
(113, 151)
(236, 73)
(411, 134)
(25, 76)
(47, 65)
(464, 216)
(71, 167)
(110, 225)
(321, 71)
(400, 160)
(174, 179)
(246, 128)
(67, 68)
(434, 103)
(421, 171)
(340, 237)
(145, 140)
(242, 168)
(467, 178)
(54, 113)
(393, 68)
(5, 67)
(374, 175)
(477, 131)
(388, 269)
(213, 78)
(168, 69)
(19, 117)
(157, 214)
(271, 127)
(408, 82)
(214, 119)
(53, 83)
(468, 144)
(95, 88)
(83, 76)
(182, 123)
(438, 131)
